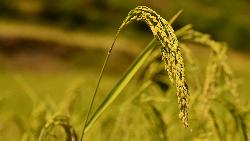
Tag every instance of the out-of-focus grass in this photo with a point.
(238, 61)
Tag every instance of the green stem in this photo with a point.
(97, 86)
(134, 67)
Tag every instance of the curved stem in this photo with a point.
(97, 86)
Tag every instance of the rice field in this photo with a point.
(143, 94)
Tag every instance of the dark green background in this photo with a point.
(226, 20)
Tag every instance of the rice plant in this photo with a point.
(171, 55)
(219, 81)
(217, 69)
(62, 118)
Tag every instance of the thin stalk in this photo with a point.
(97, 86)
(121, 84)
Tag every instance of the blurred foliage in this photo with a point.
(226, 20)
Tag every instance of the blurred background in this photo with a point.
(50, 44)
(225, 20)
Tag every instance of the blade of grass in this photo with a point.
(121, 84)
(216, 125)
(171, 21)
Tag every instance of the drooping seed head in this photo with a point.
(171, 53)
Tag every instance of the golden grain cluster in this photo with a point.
(171, 52)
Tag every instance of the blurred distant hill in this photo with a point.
(226, 20)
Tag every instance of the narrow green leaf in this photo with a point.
(135, 66)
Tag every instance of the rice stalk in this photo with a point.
(216, 125)
(217, 65)
(219, 76)
(58, 121)
(155, 118)
(238, 116)
(145, 124)
(171, 55)
(62, 117)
